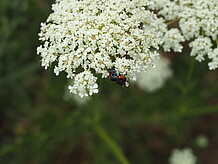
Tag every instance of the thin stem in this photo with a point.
(200, 111)
(111, 143)
(172, 21)
(190, 71)
(187, 83)
(202, 32)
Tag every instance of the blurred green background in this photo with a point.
(37, 126)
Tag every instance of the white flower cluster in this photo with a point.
(172, 40)
(200, 47)
(155, 78)
(88, 37)
(198, 21)
(169, 9)
(184, 156)
(84, 84)
(74, 98)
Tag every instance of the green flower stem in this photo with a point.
(172, 21)
(190, 71)
(111, 143)
(188, 84)
(183, 113)
(202, 32)
(200, 111)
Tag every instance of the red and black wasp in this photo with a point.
(117, 78)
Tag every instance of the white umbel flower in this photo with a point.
(88, 37)
(172, 40)
(169, 9)
(84, 84)
(198, 21)
(184, 156)
(155, 78)
(198, 16)
(200, 48)
(74, 98)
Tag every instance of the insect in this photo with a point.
(117, 78)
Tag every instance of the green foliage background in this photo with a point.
(37, 126)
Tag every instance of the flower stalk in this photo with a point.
(111, 144)
(172, 21)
